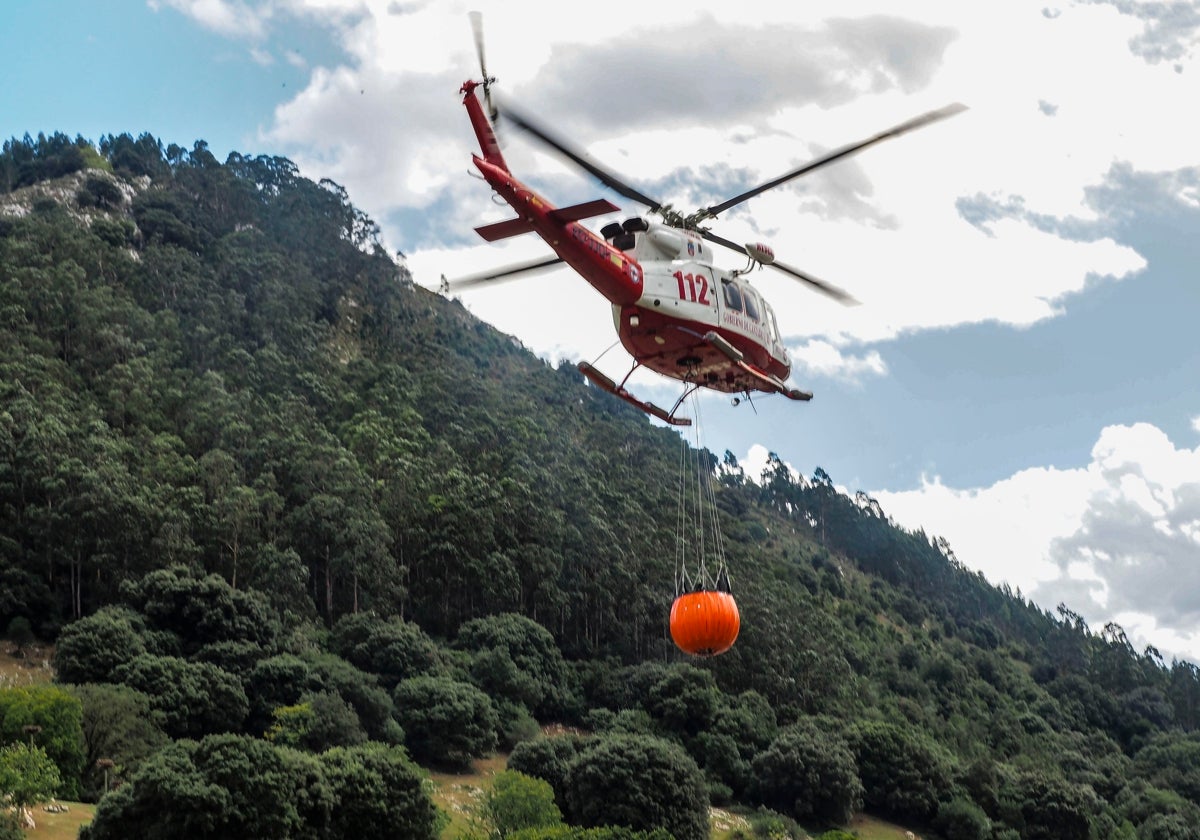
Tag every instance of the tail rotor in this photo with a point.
(477, 29)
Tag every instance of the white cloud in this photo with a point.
(1117, 540)
(755, 461)
(822, 358)
(388, 125)
(1196, 423)
(1004, 530)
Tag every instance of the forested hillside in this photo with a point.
(298, 520)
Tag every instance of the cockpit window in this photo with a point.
(751, 303)
(733, 297)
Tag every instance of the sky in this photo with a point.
(1022, 374)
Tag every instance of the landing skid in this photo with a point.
(771, 384)
(604, 383)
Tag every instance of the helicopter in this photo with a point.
(675, 312)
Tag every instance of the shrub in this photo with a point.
(547, 758)
(446, 722)
(962, 819)
(639, 782)
(904, 774)
(517, 801)
(809, 775)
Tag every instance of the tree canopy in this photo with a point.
(254, 480)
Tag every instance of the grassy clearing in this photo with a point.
(458, 793)
(724, 824)
(61, 826)
(869, 828)
(34, 669)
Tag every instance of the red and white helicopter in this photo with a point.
(674, 311)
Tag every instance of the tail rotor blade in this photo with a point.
(477, 30)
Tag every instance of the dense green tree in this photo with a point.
(904, 774)
(372, 704)
(189, 699)
(1167, 827)
(742, 728)
(809, 775)
(516, 801)
(277, 681)
(445, 721)
(318, 722)
(394, 649)
(201, 610)
(27, 775)
(378, 793)
(639, 782)
(1172, 762)
(222, 786)
(49, 717)
(547, 759)
(20, 633)
(1046, 808)
(962, 819)
(685, 700)
(117, 726)
(92, 649)
(517, 658)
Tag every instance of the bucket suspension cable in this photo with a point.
(700, 563)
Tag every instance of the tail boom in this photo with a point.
(483, 126)
(610, 271)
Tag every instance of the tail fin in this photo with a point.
(482, 126)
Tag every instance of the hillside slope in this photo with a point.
(215, 366)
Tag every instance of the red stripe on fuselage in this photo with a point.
(673, 347)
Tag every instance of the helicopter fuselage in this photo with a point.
(675, 313)
(684, 298)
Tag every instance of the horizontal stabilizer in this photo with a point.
(503, 230)
(563, 215)
(583, 211)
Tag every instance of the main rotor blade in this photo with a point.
(838, 154)
(579, 159)
(840, 295)
(507, 272)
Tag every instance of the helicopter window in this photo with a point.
(751, 303)
(733, 297)
(774, 325)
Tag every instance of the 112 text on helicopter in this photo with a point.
(675, 312)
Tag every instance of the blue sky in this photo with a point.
(1022, 375)
(106, 68)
